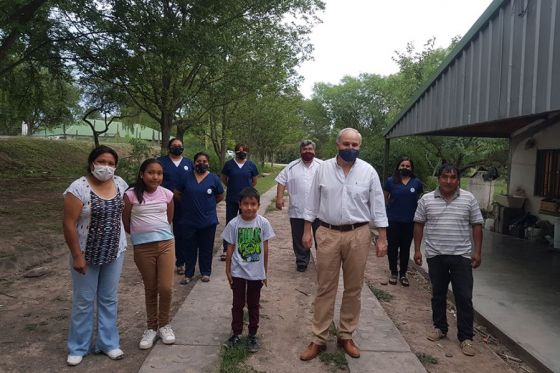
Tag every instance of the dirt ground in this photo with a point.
(34, 311)
(410, 310)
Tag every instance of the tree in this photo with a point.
(163, 54)
(36, 96)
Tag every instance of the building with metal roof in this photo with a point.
(503, 80)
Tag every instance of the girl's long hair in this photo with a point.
(140, 186)
(397, 175)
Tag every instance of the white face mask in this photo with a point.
(102, 172)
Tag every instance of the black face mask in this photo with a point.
(405, 172)
(241, 155)
(201, 168)
(176, 150)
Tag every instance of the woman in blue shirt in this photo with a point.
(200, 191)
(175, 167)
(237, 174)
(402, 191)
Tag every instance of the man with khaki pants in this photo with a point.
(346, 196)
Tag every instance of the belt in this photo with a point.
(343, 228)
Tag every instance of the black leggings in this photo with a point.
(399, 236)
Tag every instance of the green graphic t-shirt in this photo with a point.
(248, 238)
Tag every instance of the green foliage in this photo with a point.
(334, 360)
(382, 295)
(265, 180)
(25, 156)
(234, 47)
(233, 359)
(426, 359)
(129, 166)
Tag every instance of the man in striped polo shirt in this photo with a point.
(444, 218)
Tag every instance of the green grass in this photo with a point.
(233, 359)
(264, 183)
(426, 359)
(382, 295)
(334, 360)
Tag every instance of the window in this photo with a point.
(547, 180)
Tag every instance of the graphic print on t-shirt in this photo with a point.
(249, 244)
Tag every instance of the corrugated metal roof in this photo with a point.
(506, 66)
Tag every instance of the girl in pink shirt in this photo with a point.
(147, 217)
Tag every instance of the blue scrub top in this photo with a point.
(173, 176)
(403, 199)
(238, 178)
(198, 202)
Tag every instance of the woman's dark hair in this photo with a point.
(249, 192)
(397, 175)
(171, 142)
(140, 186)
(239, 146)
(101, 149)
(201, 154)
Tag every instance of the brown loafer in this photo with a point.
(349, 347)
(312, 351)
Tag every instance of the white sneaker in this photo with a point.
(115, 354)
(73, 360)
(166, 334)
(148, 339)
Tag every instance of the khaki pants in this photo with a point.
(334, 248)
(156, 263)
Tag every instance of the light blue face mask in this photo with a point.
(349, 155)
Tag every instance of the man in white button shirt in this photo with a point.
(346, 196)
(297, 178)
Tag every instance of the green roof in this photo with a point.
(116, 129)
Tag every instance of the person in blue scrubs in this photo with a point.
(175, 167)
(237, 174)
(200, 192)
(402, 191)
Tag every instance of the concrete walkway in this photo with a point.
(202, 324)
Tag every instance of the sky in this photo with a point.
(361, 36)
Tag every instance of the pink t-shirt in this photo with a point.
(148, 220)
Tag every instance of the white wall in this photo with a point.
(524, 162)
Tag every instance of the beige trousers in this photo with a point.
(334, 248)
(156, 263)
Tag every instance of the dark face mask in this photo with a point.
(201, 168)
(241, 155)
(307, 157)
(176, 150)
(349, 155)
(405, 172)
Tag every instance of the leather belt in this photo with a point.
(343, 228)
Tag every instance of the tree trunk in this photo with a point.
(165, 125)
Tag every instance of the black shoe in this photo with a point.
(232, 341)
(253, 344)
(301, 268)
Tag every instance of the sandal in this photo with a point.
(185, 281)
(223, 257)
(404, 281)
(393, 279)
(180, 270)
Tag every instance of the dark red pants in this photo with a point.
(245, 291)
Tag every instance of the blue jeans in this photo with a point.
(99, 286)
(200, 243)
